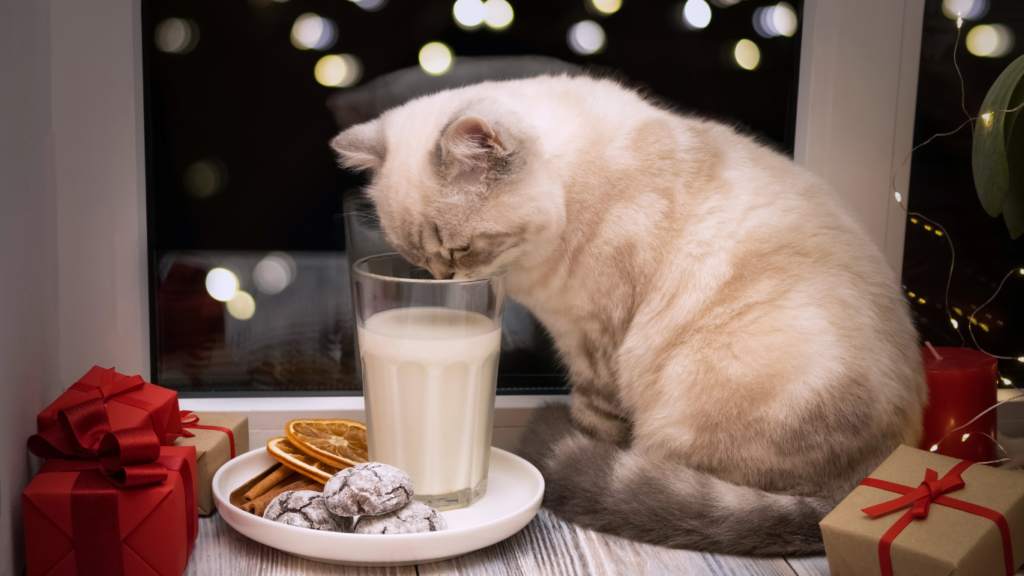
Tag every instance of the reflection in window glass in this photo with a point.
(942, 187)
(253, 227)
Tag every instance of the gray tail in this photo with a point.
(620, 492)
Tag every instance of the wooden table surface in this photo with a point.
(547, 546)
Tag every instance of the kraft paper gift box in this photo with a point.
(77, 523)
(217, 437)
(923, 514)
(130, 403)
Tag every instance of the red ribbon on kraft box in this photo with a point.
(191, 420)
(930, 491)
(108, 501)
(130, 402)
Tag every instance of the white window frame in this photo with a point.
(855, 117)
(856, 104)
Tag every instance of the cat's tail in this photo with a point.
(621, 492)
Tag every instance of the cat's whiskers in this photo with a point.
(367, 216)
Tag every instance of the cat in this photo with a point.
(739, 352)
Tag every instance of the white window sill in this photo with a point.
(267, 416)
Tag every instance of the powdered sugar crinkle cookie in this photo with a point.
(413, 518)
(305, 509)
(370, 488)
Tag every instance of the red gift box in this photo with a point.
(108, 502)
(130, 403)
(77, 522)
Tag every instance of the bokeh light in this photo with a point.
(990, 41)
(205, 178)
(747, 54)
(469, 14)
(778, 20)
(784, 19)
(341, 70)
(696, 14)
(604, 7)
(370, 5)
(436, 58)
(498, 14)
(176, 36)
(274, 273)
(725, 3)
(586, 37)
(311, 32)
(967, 9)
(241, 306)
(221, 284)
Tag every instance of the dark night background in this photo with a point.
(246, 100)
(942, 188)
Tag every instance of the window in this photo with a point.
(942, 188)
(246, 204)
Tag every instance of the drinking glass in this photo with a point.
(429, 351)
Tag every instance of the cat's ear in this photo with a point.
(471, 144)
(361, 147)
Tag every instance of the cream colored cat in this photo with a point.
(739, 352)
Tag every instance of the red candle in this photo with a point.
(960, 386)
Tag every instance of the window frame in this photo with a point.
(857, 78)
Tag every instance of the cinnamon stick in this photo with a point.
(267, 483)
(259, 505)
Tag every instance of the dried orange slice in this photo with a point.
(336, 441)
(286, 453)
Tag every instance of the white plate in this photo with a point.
(514, 492)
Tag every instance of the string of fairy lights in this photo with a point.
(986, 119)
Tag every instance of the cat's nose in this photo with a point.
(441, 271)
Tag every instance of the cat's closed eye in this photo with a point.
(452, 250)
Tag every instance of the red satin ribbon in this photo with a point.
(126, 457)
(94, 524)
(931, 490)
(190, 420)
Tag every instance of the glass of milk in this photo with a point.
(429, 351)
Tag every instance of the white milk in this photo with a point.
(429, 377)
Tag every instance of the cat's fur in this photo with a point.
(739, 352)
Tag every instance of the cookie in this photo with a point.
(371, 489)
(305, 509)
(412, 518)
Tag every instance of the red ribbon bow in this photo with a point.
(931, 490)
(923, 495)
(111, 385)
(126, 457)
(191, 420)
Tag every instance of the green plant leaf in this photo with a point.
(1013, 210)
(992, 153)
